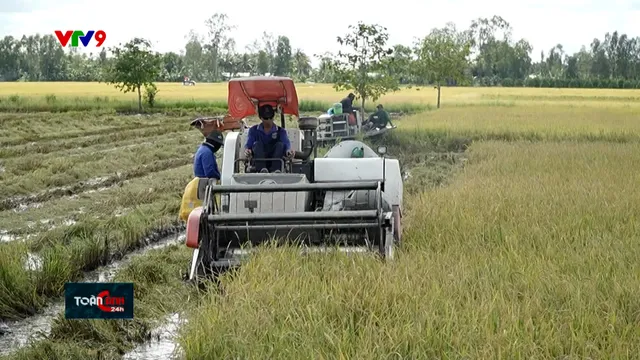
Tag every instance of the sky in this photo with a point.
(314, 26)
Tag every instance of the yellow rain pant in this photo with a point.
(190, 199)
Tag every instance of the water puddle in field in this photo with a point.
(33, 262)
(5, 236)
(24, 207)
(106, 273)
(121, 212)
(16, 334)
(163, 343)
(44, 225)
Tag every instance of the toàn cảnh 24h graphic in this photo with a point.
(98, 300)
(74, 35)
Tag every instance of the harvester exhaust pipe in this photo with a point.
(308, 125)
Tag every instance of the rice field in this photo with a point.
(62, 97)
(521, 234)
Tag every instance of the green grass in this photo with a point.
(100, 236)
(69, 252)
(105, 139)
(148, 176)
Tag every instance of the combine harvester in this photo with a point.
(339, 202)
(345, 126)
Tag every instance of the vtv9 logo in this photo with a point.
(100, 36)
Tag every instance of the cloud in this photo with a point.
(16, 6)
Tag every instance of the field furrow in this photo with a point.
(156, 186)
(25, 178)
(92, 184)
(18, 166)
(16, 130)
(102, 140)
(69, 252)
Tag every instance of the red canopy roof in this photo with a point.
(246, 93)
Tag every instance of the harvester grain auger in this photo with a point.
(218, 123)
(334, 202)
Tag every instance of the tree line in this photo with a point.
(484, 54)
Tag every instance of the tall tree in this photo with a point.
(600, 67)
(572, 67)
(442, 55)
(218, 39)
(554, 64)
(193, 56)
(10, 59)
(325, 73)
(173, 69)
(485, 30)
(270, 46)
(400, 65)
(301, 65)
(583, 62)
(361, 67)
(135, 65)
(282, 61)
(263, 63)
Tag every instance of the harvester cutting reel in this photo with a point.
(344, 216)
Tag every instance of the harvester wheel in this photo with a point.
(397, 225)
(388, 244)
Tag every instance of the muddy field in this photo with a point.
(85, 197)
(521, 240)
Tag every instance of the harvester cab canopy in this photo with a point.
(247, 94)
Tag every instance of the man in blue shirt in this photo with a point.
(204, 162)
(267, 140)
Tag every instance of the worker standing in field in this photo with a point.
(349, 109)
(204, 167)
(347, 103)
(204, 161)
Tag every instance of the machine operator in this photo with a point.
(267, 141)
